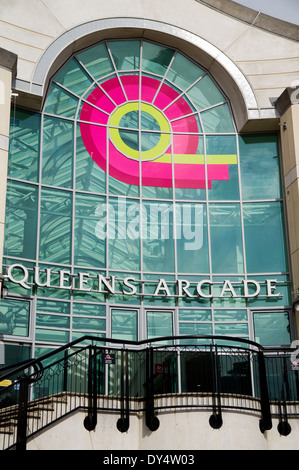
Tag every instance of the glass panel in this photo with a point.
(183, 72)
(55, 227)
(156, 294)
(264, 237)
(155, 58)
(54, 292)
(21, 220)
(55, 336)
(56, 321)
(228, 292)
(205, 93)
(230, 315)
(282, 286)
(158, 243)
(192, 239)
(14, 317)
(24, 146)
(125, 54)
(194, 315)
(239, 329)
(159, 324)
(90, 241)
(89, 176)
(20, 273)
(14, 354)
(124, 324)
(89, 309)
(123, 290)
(222, 167)
(89, 324)
(123, 234)
(89, 280)
(226, 238)
(191, 329)
(272, 328)
(57, 158)
(60, 102)
(96, 60)
(217, 119)
(73, 77)
(50, 306)
(259, 161)
(190, 177)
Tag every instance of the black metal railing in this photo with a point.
(93, 374)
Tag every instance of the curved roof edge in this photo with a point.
(253, 17)
(229, 77)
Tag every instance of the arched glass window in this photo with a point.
(134, 172)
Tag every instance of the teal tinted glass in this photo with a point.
(226, 238)
(89, 242)
(52, 335)
(195, 315)
(55, 227)
(85, 309)
(61, 102)
(123, 219)
(217, 120)
(192, 238)
(50, 306)
(159, 323)
(192, 329)
(125, 54)
(158, 238)
(265, 237)
(74, 78)
(21, 222)
(97, 61)
(24, 145)
(124, 324)
(224, 146)
(156, 58)
(57, 321)
(89, 324)
(14, 317)
(16, 353)
(259, 161)
(182, 72)
(98, 218)
(205, 93)
(89, 176)
(57, 154)
(272, 328)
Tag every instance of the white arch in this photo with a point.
(85, 35)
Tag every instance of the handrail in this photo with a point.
(150, 354)
(33, 362)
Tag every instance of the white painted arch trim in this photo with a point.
(59, 45)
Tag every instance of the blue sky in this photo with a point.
(287, 10)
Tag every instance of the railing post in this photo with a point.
(283, 426)
(90, 420)
(22, 415)
(266, 420)
(124, 420)
(152, 421)
(216, 418)
(65, 371)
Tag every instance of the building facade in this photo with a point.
(149, 166)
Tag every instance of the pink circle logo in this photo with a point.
(143, 129)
